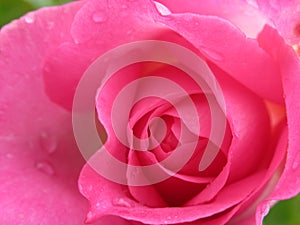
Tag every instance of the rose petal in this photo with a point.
(26, 42)
(38, 188)
(286, 17)
(289, 183)
(250, 127)
(116, 220)
(175, 196)
(228, 48)
(258, 200)
(37, 185)
(95, 30)
(107, 197)
(243, 14)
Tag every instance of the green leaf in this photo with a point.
(284, 213)
(13, 9)
(10, 10)
(42, 3)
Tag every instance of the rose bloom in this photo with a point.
(249, 46)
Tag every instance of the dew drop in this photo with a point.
(76, 41)
(9, 156)
(162, 9)
(45, 167)
(121, 202)
(50, 25)
(48, 142)
(129, 32)
(29, 18)
(99, 17)
(90, 216)
(295, 165)
(80, 187)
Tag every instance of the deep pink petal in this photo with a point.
(40, 162)
(107, 197)
(63, 69)
(38, 188)
(257, 204)
(289, 183)
(250, 126)
(98, 27)
(27, 42)
(229, 49)
(286, 17)
(243, 14)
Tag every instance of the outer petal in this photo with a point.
(243, 14)
(229, 49)
(26, 43)
(109, 198)
(39, 159)
(98, 27)
(289, 183)
(286, 17)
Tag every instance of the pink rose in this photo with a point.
(206, 132)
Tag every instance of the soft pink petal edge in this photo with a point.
(289, 183)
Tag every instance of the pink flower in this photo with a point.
(44, 55)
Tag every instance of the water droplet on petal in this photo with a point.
(89, 217)
(9, 156)
(99, 17)
(167, 221)
(295, 165)
(80, 187)
(76, 41)
(50, 25)
(29, 18)
(129, 32)
(162, 9)
(122, 202)
(45, 167)
(48, 142)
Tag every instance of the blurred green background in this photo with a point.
(283, 213)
